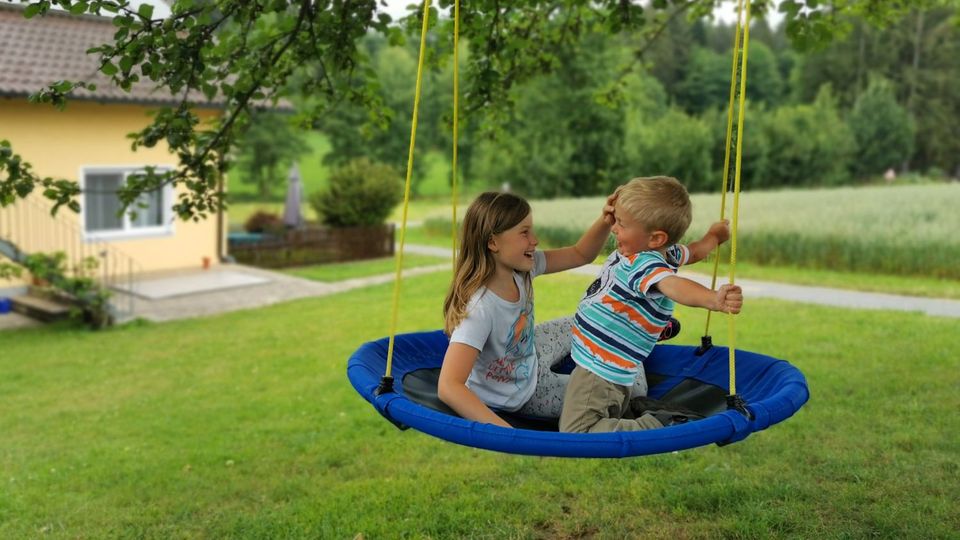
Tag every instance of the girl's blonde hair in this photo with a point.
(489, 214)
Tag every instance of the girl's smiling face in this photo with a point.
(514, 247)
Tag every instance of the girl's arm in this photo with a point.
(452, 386)
(587, 248)
(718, 233)
(728, 298)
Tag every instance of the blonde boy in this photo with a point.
(623, 312)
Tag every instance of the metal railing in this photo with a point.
(28, 227)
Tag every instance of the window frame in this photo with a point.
(128, 232)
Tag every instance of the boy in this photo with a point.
(624, 311)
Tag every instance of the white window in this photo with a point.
(151, 215)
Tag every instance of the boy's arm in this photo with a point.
(587, 248)
(452, 386)
(718, 233)
(728, 298)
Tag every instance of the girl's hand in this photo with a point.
(729, 299)
(608, 208)
(720, 231)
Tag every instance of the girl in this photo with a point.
(491, 361)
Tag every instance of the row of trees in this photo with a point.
(882, 98)
(250, 52)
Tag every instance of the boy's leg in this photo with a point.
(594, 405)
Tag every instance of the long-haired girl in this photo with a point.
(491, 363)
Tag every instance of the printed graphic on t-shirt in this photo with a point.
(602, 283)
(509, 367)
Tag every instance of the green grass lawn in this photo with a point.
(244, 426)
(357, 269)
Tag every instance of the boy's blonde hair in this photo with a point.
(659, 203)
(490, 213)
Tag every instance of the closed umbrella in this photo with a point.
(292, 216)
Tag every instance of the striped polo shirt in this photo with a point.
(621, 315)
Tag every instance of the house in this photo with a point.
(87, 142)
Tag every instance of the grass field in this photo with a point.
(929, 287)
(244, 426)
(899, 230)
(903, 230)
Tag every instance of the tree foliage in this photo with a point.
(255, 51)
(266, 150)
(883, 130)
(808, 144)
(675, 145)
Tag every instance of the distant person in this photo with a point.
(625, 310)
(491, 363)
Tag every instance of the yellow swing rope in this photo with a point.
(406, 191)
(456, 130)
(736, 189)
(743, 25)
(726, 155)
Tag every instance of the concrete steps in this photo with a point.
(42, 309)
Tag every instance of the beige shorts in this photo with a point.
(592, 404)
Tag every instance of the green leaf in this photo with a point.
(32, 11)
(126, 63)
(145, 11)
(62, 86)
(79, 8)
(109, 69)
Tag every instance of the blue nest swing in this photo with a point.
(772, 389)
(768, 390)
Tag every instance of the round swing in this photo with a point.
(738, 392)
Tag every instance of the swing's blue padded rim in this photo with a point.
(773, 389)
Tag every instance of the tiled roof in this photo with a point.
(36, 52)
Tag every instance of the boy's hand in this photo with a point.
(729, 299)
(720, 231)
(608, 208)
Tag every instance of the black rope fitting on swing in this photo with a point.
(385, 387)
(706, 343)
(735, 402)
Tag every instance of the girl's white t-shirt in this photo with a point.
(505, 373)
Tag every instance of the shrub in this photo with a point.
(361, 192)
(263, 222)
(675, 145)
(883, 130)
(809, 145)
(93, 300)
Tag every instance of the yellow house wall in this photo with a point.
(60, 143)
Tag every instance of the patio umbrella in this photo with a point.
(292, 216)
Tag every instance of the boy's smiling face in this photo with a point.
(632, 236)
